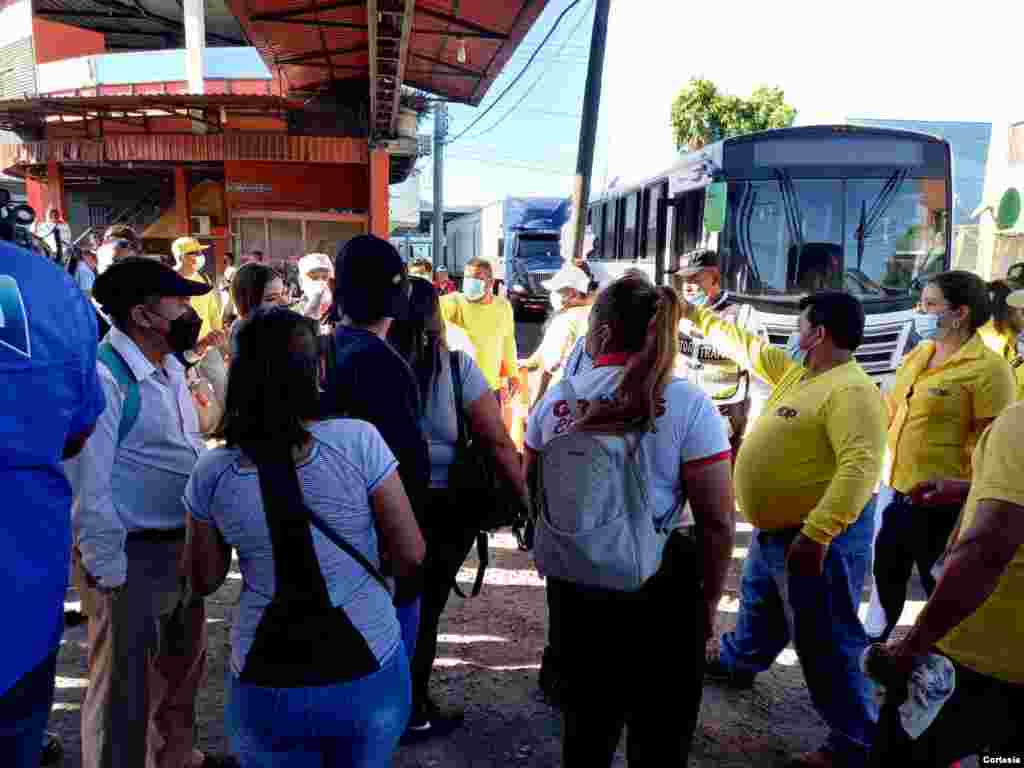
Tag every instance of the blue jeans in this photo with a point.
(820, 617)
(24, 712)
(355, 724)
(409, 621)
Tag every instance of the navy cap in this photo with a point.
(131, 281)
(371, 279)
(693, 262)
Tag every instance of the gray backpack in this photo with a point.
(595, 523)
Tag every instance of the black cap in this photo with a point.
(371, 279)
(693, 262)
(130, 281)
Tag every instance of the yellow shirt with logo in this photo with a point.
(936, 415)
(209, 308)
(990, 640)
(491, 328)
(1005, 345)
(813, 456)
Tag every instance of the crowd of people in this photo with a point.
(163, 419)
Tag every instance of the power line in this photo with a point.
(522, 72)
(511, 164)
(529, 90)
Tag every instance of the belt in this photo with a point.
(157, 534)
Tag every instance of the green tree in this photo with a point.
(702, 114)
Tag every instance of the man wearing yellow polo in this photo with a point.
(804, 478)
(973, 617)
(947, 391)
(190, 258)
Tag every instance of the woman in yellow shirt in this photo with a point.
(947, 391)
(1003, 333)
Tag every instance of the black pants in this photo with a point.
(909, 536)
(448, 543)
(983, 715)
(635, 660)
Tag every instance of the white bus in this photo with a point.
(793, 211)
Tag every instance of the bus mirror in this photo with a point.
(714, 207)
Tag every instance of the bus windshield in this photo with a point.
(872, 237)
(540, 252)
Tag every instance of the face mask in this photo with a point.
(104, 257)
(557, 302)
(698, 299)
(311, 287)
(927, 326)
(1020, 343)
(794, 351)
(184, 331)
(474, 288)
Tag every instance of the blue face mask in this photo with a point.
(698, 299)
(927, 326)
(474, 288)
(793, 350)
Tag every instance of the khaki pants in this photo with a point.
(147, 660)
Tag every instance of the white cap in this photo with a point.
(1016, 299)
(569, 276)
(313, 261)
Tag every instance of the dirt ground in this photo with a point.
(487, 666)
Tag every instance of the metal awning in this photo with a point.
(141, 25)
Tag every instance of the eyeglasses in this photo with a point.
(927, 305)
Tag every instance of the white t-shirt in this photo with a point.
(458, 340)
(689, 431)
(566, 327)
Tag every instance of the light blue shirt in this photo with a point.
(578, 361)
(347, 464)
(85, 277)
(49, 393)
(137, 485)
(439, 422)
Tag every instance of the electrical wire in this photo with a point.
(518, 77)
(535, 83)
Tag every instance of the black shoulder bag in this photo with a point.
(478, 490)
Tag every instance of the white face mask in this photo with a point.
(311, 287)
(200, 262)
(104, 257)
(557, 302)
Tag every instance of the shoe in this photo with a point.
(716, 671)
(428, 722)
(53, 750)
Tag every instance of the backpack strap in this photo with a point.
(571, 396)
(482, 545)
(126, 382)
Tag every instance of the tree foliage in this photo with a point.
(701, 114)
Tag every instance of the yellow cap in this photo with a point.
(183, 246)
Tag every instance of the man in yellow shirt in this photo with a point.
(973, 617)
(189, 256)
(487, 320)
(804, 478)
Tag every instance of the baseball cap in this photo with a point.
(312, 261)
(183, 246)
(1016, 299)
(569, 276)
(693, 262)
(130, 281)
(371, 279)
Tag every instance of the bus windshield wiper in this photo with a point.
(868, 221)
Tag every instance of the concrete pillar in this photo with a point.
(380, 173)
(182, 210)
(195, 44)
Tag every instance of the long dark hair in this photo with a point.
(998, 290)
(272, 385)
(966, 289)
(642, 321)
(419, 338)
(248, 285)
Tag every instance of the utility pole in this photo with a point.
(588, 126)
(440, 133)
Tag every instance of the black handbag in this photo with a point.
(477, 488)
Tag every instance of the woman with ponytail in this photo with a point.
(611, 675)
(318, 672)
(447, 522)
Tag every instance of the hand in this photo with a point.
(940, 493)
(710, 618)
(513, 387)
(806, 557)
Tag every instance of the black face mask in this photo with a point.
(184, 332)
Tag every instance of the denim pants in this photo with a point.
(820, 617)
(352, 725)
(409, 622)
(24, 712)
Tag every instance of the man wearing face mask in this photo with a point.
(729, 386)
(146, 632)
(804, 478)
(487, 320)
(569, 293)
(315, 269)
(190, 258)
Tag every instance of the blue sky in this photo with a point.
(910, 59)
